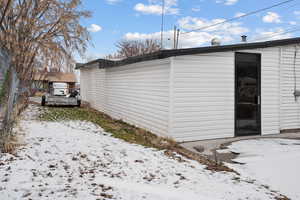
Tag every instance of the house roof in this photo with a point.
(55, 77)
(40, 76)
(103, 63)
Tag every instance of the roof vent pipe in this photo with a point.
(215, 42)
(244, 38)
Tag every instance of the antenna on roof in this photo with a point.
(162, 24)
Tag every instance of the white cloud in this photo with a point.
(239, 14)
(196, 9)
(272, 17)
(112, 2)
(192, 23)
(297, 12)
(227, 32)
(155, 7)
(227, 2)
(230, 2)
(293, 23)
(193, 39)
(94, 28)
(271, 34)
(148, 9)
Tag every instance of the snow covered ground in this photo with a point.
(78, 160)
(273, 162)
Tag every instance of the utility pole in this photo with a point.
(162, 23)
(174, 44)
(177, 40)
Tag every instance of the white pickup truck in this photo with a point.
(60, 89)
(61, 95)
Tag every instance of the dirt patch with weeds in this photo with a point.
(9, 144)
(128, 133)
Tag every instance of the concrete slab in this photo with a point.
(209, 148)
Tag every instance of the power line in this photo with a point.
(239, 17)
(273, 35)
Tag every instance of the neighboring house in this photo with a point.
(201, 93)
(40, 80)
(45, 80)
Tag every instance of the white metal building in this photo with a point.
(201, 93)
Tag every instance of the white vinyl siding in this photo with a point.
(290, 107)
(84, 82)
(203, 96)
(92, 84)
(270, 91)
(139, 94)
(99, 89)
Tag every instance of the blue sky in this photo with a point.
(114, 20)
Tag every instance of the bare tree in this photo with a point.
(5, 7)
(129, 48)
(42, 31)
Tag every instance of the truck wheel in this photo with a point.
(43, 103)
(78, 103)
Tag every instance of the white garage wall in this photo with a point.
(84, 77)
(203, 103)
(92, 84)
(270, 91)
(203, 96)
(99, 76)
(290, 107)
(193, 96)
(139, 94)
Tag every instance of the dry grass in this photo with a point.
(4, 88)
(39, 94)
(281, 197)
(9, 144)
(128, 133)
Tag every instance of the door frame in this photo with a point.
(259, 116)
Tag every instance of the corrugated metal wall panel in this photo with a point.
(290, 107)
(203, 97)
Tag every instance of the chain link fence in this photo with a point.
(4, 66)
(11, 94)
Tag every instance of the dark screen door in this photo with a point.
(247, 108)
